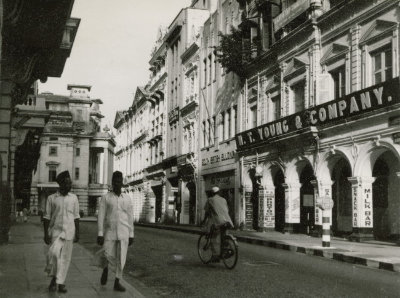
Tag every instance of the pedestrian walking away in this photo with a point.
(61, 229)
(217, 216)
(115, 229)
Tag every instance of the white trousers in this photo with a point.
(115, 252)
(60, 263)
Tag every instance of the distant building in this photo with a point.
(71, 140)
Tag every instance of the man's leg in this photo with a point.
(63, 263)
(122, 249)
(214, 241)
(110, 251)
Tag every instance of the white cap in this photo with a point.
(215, 189)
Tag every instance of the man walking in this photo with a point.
(61, 229)
(115, 229)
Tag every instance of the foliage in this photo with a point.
(234, 51)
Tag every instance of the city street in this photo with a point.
(166, 263)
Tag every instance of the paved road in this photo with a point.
(166, 263)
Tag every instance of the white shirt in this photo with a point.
(115, 219)
(62, 211)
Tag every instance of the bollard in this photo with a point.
(326, 204)
(326, 228)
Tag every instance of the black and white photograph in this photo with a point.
(199, 148)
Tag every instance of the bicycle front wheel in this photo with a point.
(204, 249)
(230, 253)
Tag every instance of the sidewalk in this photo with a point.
(375, 254)
(22, 273)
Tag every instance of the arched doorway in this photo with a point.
(307, 208)
(279, 180)
(341, 196)
(384, 194)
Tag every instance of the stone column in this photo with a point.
(361, 193)
(292, 205)
(226, 126)
(100, 178)
(355, 59)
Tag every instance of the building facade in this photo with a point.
(219, 96)
(319, 120)
(37, 39)
(71, 140)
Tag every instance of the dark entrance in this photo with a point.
(306, 201)
(380, 199)
(92, 206)
(192, 202)
(279, 180)
(157, 190)
(341, 196)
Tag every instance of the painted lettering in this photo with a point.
(272, 130)
(378, 94)
(332, 111)
(353, 105)
(365, 100)
(278, 128)
(298, 122)
(312, 114)
(322, 114)
(285, 126)
(342, 107)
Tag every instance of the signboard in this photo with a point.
(249, 210)
(354, 195)
(218, 158)
(378, 96)
(224, 180)
(367, 220)
(269, 209)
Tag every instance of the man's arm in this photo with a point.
(100, 220)
(46, 221)
(130, 218)
(76, 219)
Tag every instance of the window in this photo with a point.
(275, 107)
(52, 174)
(76, 173)
(78, 152)
(53, 151)
(298, 97)
(253, 117)
(339, 82)
(382, 65)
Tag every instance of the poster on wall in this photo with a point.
(269, 209)
(249, 210)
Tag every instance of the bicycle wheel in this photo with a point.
(204, 249)
(230, 252)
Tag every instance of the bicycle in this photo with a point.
(229, 251)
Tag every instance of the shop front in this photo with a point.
(346, 149)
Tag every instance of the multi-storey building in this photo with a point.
(219, 95)
(320, 119)
(182, 107)
(71, 140)
(36, 40)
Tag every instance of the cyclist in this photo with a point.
(217, 213)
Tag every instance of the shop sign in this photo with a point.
(248, 209)
(357, 103)
(366, 220)
(355, 207)
(217, 158)
(269, 209)
(224, 180)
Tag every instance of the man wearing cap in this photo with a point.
(61, 229)
(115, 229)
(217, 211)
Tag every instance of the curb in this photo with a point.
(333, 254)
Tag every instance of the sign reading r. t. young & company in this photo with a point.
(357, 103)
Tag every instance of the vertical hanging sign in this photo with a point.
(249, 210)
(367, 219)
(269, 209)
(354, 195)
(261, 207)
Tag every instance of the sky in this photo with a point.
(112, 49)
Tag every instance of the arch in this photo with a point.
(295, 167)
(368, 156)
(328, 161)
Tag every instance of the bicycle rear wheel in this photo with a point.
(204, 249)
(230, 252)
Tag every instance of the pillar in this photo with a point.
(106, 158)
(100, 177)
(322, 188)
(292, 205)
(362, 218)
